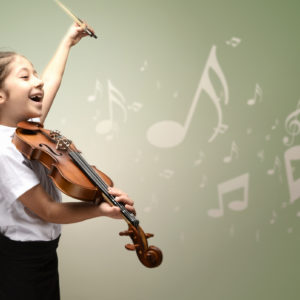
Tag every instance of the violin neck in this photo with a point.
(101, 185)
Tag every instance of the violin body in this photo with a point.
(31, 140)
(77, 179)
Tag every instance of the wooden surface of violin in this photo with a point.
(76, 178)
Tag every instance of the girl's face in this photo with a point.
(22, 94)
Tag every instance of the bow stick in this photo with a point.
(76, 19)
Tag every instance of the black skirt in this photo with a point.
(28, 270)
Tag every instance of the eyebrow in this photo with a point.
(26, 69)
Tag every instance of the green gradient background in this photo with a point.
(250, 254)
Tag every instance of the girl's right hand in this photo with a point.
(76, 33)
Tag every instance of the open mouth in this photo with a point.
(36, 98)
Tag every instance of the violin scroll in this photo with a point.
(149, 256)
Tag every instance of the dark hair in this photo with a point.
(6, 57)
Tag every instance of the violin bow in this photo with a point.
(76, 19)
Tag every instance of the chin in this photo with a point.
(34, 116)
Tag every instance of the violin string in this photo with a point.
(91, 172)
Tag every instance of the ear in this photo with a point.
(2, 96)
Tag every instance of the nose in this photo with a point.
(38, 82)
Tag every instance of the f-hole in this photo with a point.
(51, 150)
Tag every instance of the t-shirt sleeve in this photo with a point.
(16, 177)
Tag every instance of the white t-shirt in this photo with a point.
(18, 175)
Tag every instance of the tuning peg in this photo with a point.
(131, 247)
(149, 235)
(126, 232)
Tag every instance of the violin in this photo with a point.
(72, 174)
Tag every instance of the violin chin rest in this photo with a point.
(27, 125)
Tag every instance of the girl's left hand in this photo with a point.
(113, 211)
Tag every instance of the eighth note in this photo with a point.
(230, 186)
(98, 89)
(234, 151)
(144, 66)
(257, 95)
(169, 133)
(277, 165)
(275, 124)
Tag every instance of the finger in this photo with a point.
(114, 191)
(130, 209)
(123, 198)
(88, 29)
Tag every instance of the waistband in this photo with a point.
(29, 248)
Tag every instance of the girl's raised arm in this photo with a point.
(54, 71)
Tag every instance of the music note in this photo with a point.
(98, 89)
(292, 126)
(249, 131)
(144, 66)
(276, 123)
(114, 97)
(203, 181)
(240, 182)
(135, 106)
(294, 185)
(276, 166)
(234, 151)
(257, 95)
(175, 95)
(168, 133)
(274, 216)
(167, 173)
(200, 159)
(234, 42)
(261, 155)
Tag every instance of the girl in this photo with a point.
(30, 205)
